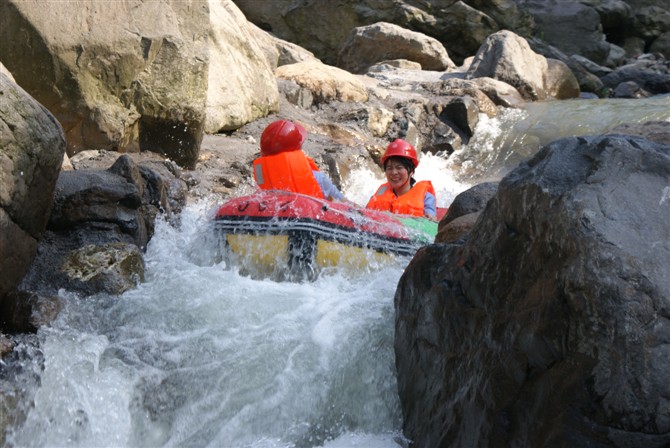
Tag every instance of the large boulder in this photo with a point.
(31, 152)
(241, 86)
(585, 37)
(101, 222)
(508, 57)
(322, 27)
(549, 324)
(181, 70)
(324, 82)
(368, 45)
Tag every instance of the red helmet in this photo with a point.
(280, 136)
(400, 148)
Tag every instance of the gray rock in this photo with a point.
(371, 44)
(549, 325)
(585, 36)
(507, 57)
(31, 152)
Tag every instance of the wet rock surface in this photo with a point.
(549, 324)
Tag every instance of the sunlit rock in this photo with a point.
(31, 151)
(325, 82)
(241, 86)
(508, 57)
(322, 27)
(371, 44)
(133, 76)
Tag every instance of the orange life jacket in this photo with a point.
(288, 171)
(410, 203)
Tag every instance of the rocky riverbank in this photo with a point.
(152, 119)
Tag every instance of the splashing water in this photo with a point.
(502, 142)
(199, 355)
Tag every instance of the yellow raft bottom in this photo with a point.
(268, 255)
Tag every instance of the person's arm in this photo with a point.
(429, 206)
(328, 189)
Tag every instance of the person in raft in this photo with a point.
(284, 166)
(401, 193)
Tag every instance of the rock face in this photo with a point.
(132, 75)
(549, 325)
(31, 152)
(586, 36)
(322, 27)
(101, 222)
(241, 85)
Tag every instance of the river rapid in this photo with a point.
(201, 356)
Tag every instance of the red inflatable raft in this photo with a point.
(291, 236)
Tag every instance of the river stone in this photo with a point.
(658, 131)
(112, 268)
(654, 82)
(325, 82)
(322, 27)
(457, 228)
(662, 45)
(26, 312)
(472, 200)
(32, 145)
(368, 45)
(550, 324)
(508, 57)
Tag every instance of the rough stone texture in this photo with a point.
(322, 26)
(102, 220)
(26, 312)
(554, 17)
(560, 83)
(131, 75)
(112, 268)
(31, 152)
(240, 84)
(325, 82)
(549, 325)
(662, 45)
(656, 83)
(508, 57)
(472, 200)
(456, 229)
(652, 21)
(587, 79)
(368, 45)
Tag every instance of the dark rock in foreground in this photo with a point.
(550, 324)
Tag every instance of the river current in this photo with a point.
(201, 356)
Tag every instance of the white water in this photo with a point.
(200, 356)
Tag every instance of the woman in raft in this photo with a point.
(401, 193)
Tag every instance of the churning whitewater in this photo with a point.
(199, 355)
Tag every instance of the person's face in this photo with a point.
(396, 174)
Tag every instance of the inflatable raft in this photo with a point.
(288, 236)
